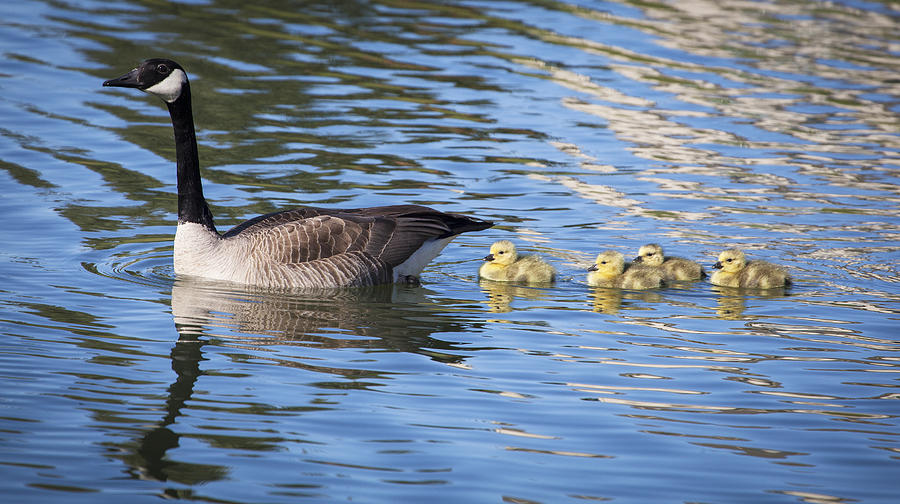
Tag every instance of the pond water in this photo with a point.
(576, 126)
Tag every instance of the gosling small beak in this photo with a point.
(129, 80)
(489, 257)
(718, 265)
(638, 259)
(593, 268)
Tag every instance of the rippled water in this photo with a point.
(773, 126)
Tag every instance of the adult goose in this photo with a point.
(304, 247)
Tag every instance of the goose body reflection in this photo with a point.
(379, 316)
(609, 270)
(305, 247)
(504, 264)
(735, 271)
(672, 268)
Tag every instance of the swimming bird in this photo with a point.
(504, 264)
(305, 247)
(735, 271)
(609, 271)
(672, 268)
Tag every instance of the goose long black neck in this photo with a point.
(192, 205)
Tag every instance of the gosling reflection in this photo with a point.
(732, 301)
(500, 295)
(391, 317)
(606, 300)
(609, 299)
(730, 305)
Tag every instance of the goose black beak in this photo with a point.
(129, 80)
(593, 268)
(638, 259)
(489, 257)
(718, 265)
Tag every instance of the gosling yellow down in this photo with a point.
(735, 271)
(672, 268)
(504, 264)
(609, 271)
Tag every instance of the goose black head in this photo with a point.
(162, 77)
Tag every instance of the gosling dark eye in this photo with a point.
(728, 260)
(163, 68)
(501, 252)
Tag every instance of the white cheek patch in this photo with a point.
(169, 89)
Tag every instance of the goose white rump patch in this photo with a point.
(414, 265)
(169, 89)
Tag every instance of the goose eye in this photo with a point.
(162, 68)
(728, 260)
(501, 252)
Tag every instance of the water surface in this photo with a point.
(578, 127)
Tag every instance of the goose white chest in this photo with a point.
(199, 251)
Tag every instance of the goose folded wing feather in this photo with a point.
(395, 240)
(313, 238)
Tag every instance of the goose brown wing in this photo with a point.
(309, 239)
(390, 233)
(393, 240)
(452, 223)
(271, 220)
(300, 236)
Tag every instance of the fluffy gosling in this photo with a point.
(672, 268)
(609, 271)
(735, 271)
(504, 264)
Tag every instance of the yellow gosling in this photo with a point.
(735, 271)
(609, 271)
(504, 264)
(672, 268)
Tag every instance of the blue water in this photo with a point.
(578, 127)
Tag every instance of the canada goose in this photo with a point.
(672, 268)
(735, 271)
(609, 271)
(303, 247)
(504, 264)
